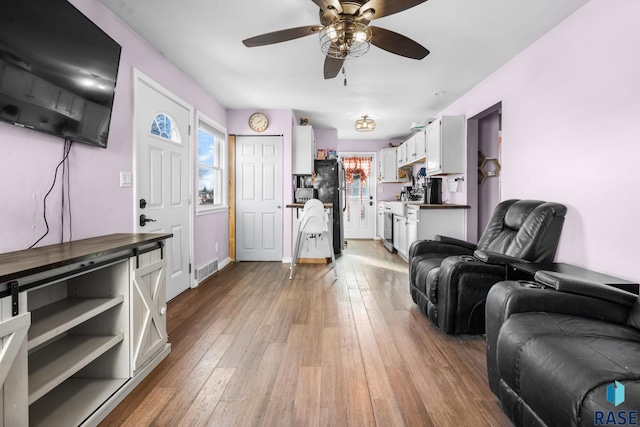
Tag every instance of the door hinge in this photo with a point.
(189, 268)
(189, 129)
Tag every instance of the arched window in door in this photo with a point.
(163, 127)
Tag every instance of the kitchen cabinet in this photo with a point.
(380, 221)
(410, 145)
(424, 222)
(412, 231)
(400, 235)
(93, 316)
(421, 145)
(402, 154)
(388, 165)
(446, 146)
(304, 150)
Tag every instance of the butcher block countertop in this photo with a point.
(14, 265)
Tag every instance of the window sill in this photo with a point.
(207, 211)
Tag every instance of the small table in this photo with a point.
(526, 271)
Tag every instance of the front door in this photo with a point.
(359, 215)
(259, 198)
(162, 152)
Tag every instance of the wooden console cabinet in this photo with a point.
(81, 324)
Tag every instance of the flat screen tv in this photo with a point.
(57, 70)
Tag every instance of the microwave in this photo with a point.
(305, 194)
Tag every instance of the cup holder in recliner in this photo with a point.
(529, 284)
(468, 258)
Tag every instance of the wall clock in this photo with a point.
(258, 122)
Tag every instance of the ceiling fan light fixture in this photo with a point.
(365, 124)
(345, 39)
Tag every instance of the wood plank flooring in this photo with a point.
(252, 348)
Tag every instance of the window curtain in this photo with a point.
(356, 166)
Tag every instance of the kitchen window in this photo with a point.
(212, 166)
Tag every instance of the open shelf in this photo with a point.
(54, 319)
(52, 365)
(73, 401)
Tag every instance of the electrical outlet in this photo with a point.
(216, 246)
(125, 179)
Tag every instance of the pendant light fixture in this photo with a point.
(365, 124)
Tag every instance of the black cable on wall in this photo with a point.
(65, 165)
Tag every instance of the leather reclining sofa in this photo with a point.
(564, 352)
(449, 278)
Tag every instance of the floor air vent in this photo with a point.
(207, 270)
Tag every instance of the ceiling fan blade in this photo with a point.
(329, 4)
(397, 43)
(282, 35)
(388, 7)
(332, 67)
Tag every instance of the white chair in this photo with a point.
(314, 220)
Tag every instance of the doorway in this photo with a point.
(258, 201)
(162, 147)
(359, 214)
(485, 151)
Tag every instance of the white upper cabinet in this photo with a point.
(388, 166)
(304, 150)
(421, 144)
(446, 146)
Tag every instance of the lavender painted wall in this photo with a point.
(570, 131)
(99, 205)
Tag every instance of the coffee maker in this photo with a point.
(433, 191)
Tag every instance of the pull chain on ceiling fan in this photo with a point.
(345, 32)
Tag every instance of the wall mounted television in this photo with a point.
(57, 70)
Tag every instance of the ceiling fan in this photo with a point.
(345, 32)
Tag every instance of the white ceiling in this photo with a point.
(468, 40)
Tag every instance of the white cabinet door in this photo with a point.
(421, 144)
(402, 248)
(304, 150)
(446, 146)
(411, 149)
(388, 166)
(400, 235)
(380, 222)
(412, 232)
(148, 308)
(433, 146)
(13, 363)
(402, 154)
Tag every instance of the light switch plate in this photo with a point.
(125, 179)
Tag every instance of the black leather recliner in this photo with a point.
(557, 345)
(449, 278)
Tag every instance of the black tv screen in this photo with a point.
(57, 70)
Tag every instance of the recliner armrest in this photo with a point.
(572, 285)
(432, 246)
(456, 242)
(496, 258)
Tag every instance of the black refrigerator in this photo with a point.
(331, 185)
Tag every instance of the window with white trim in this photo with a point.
(212, 166)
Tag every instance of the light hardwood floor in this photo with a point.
(251, 347)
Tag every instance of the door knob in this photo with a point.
(144, 220)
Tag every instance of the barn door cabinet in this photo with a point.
(82, 323)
